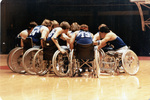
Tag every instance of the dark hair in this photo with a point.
(47, 23)
(103, 28)
(74, 27)
(65, 25)
(31, 25)
(84, 27)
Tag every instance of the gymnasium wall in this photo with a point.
(121, 16)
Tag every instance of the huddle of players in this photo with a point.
(53, 31)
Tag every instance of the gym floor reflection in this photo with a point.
(14, 86)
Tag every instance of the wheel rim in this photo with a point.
(130, 62)
(61, 64)
(9, 59)
(28, 59)
(40, 65)
(16, 60)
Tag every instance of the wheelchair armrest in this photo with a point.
(65, 48)
(111, 53)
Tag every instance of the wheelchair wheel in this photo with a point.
(72, 65)
(27, 60)
(40, 66)
(9, 59)
(130, 62)
(60, 63)
(97, 64)
(16, 60)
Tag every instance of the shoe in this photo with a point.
(86, 73)
(121, 69)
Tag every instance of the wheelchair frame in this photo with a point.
(75, 63)
(28, 56)
(114, 60)
(14, 59)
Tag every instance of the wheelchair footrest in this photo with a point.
(112, 53)
(108, 62)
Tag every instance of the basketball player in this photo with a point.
(74, 27)
(41, 32)
(54, 24)
(25, 33)
(60, 35)
(110, 38)
(83, 36)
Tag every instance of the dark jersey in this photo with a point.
(36, 35)
(61, 42)
(84, 37)
(117, 43)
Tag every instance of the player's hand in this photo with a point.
(62, 51)
(99, 48)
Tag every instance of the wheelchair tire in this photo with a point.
(9, 59)
(72, 64)
(40, 66)
(97, 63)
(130, 62)
(27, 60)
(59, 66)
(16, 60)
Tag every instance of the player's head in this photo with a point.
(74, 27)
(65, 25)
(103, 28)
(31, 25)
(84, 27)
(47, 23)
(55, 24)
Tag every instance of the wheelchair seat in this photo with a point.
(27, 43)
(49, 49)
(84, 56)
(84, 51)
(113, 53)
(18, 41)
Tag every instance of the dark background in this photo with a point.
(121, 16)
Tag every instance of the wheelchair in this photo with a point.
(84, 55)
(61, 62)
(14, 59)
(113, 62)
(51, 59)
(42, 61)
(28, 57)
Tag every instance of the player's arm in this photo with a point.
(69, 34)
(96, 39)
(92, 35)
(104, 41)
(65, 37)
(55, 39)
(44, 34)
(72, 40)
(23, 36)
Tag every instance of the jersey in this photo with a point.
(61, 42)
(36, 35)
(117, 43)
(71, 33)
(83, 37)
(51, 34)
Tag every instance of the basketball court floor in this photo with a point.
(14, 86)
